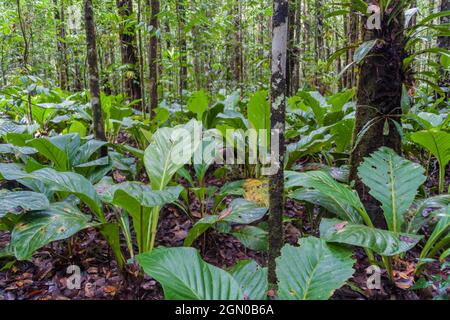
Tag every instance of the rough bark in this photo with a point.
(278, 110)
(352, 36)
(127, 37)
(94, 84)
(290, 50)
(63, 65)
(182, 43)
(153, 56)
(444, 42)
(379, 100)
(238, 61)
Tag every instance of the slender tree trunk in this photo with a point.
(352, 36)
(25, 57)
(238, 62)
(128, 50)
(444, 42)
(63, 65)
(94, 86)
(379, 99)
(141, 59)
(182, 43)
(278, 109)
(26, 45)
(153, 56)
(296, 49)
(290, 49)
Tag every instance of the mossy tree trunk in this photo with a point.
(128, 50)
(94, 86)
(379, 99)
(277, 119)
(153, 55)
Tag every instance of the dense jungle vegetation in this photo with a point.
(224, 150)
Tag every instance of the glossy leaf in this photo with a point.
(37, 229)
(383, 242)
(21, 201)
(251, 278)
(312, 271)
(185, 276)
(394, 182)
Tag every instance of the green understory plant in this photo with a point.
(312, 271)
(392, 180)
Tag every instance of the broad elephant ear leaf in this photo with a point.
(185, 276)
(73, 183)
(252, 279)
(52, 152)
(36, 229)
(323, 190)
(394, 182)
(21, 201)
(170, 150)
(312, 271)
(84, 153)
(383, 242)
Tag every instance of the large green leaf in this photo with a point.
(10, 148)
(36, 229)
(70, 182)
(258, 111)
(438, 144)
(84, 153)
(327, 192)
(185, 276)
(312, 271)
(240, 211)
(144, 195)
(252, 237)
(251, 278)
(423, 209)
(198, 103)
(442, 229)
(383, 242)
(244, 212)
(21, 201)
(394, 182)
(170, 150)
(52, 152)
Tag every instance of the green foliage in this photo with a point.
(383, 242)
(394, 182)
(185, 276)
(438, 144)
(312, 271)
(36, 229)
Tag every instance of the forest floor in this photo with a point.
(45, 277)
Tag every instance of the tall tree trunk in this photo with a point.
(94, 86)
(153, 56)
(352, 36)
(25, 56)
(128, 50)
(238, 62)
(444, 42)
(318, 40)
(379, 99)
(277, 119)
(141, 58)
(290, 49)
(61, 45)
(296, 49)
(182, 43)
